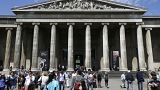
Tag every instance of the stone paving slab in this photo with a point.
(114, 84)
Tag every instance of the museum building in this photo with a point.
(100, 34)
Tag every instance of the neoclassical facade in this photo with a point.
(100, 34)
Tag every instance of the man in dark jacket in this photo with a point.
(140, 79)
(130, 79)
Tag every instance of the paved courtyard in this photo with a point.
(114, 84)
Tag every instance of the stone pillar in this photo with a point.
(17, 47)
(141, 56)
(105, 60)
(23, 57)
(7, 51)
(149, 49)
(53, 65)
(123, 48)
(35, 48)
(70, 47)
(88, 46)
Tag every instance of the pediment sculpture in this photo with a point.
(76, 4)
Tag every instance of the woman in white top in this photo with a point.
(43, 79)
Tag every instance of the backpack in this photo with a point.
(131, 78)
(77, 85)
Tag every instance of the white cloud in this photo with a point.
(133, 2)
(136, 2)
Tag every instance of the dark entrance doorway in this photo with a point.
(78, 61)
(115, 61)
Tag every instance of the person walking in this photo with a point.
(2, 81)
(61, 80)
(78, 82)
(123, 79)
(67, 79)
(154, 84)
(140, 79)
(13, 81)
(106, 78)
(52, 83)
(130, 79)
(42, 80)
(99, 79)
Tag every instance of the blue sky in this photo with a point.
(153, 6)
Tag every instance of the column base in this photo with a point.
(105, 69)
(6, 70)
(87, 69)
(70, 69)
(143, 69)
(124, 69)
(35, 69)
(52, 69)
(14, 69)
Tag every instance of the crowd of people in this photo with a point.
(77, 80)
(153, 80)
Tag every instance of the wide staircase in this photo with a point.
(117, 74)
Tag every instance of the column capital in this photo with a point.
(19, 23)
(122, 23)
(140, 23)
(148, 29)
(35, 23)
(8, 28)
(53, 23)
(105, 23)
(71, 23)
(87, 23)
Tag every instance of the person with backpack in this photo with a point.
(140, 79)
(130, 79)
(78, 82)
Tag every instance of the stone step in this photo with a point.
(118, 73)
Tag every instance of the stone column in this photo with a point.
(88, 46)
(70, 47)
(53, 65)
(7, 51)
(17, 47)
(35, 48)
(105, 59)
(149, 49)
(123, 48)
(23, 57)
(141, 56)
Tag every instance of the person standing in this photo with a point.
(123, 79)
(130, 79)
(140, 79)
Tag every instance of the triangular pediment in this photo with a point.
(90, 5)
